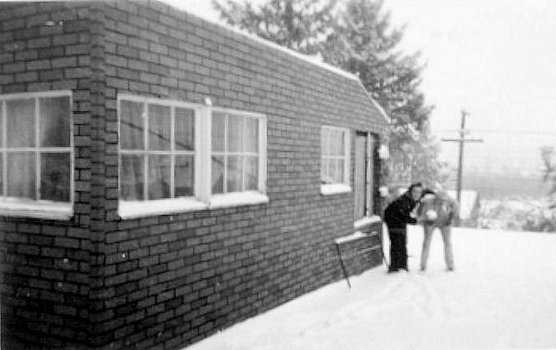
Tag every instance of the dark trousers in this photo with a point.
(398, 247)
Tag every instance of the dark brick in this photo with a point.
(167, 281)
(63, 62)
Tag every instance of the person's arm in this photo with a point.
(454, 212)
(423, 205)
(409, 213)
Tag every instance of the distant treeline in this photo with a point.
(500, 186)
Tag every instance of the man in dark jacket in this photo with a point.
(397, 215)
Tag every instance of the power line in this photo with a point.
(499, 131)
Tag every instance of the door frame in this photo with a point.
(369, 173)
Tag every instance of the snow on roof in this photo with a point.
(381, 110)
(314, 60)
(377, 105)
(310, 59)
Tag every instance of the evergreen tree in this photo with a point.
(365, 42)
(300, 25)
(358, 37)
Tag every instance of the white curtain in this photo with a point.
(132, 177)
(21, 175)
(54, 116)
(21, 123)
(184, 171)
(55, 177)
(159, 176)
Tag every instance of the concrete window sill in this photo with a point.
(39, 210)
(138, 209)
(327, 190)
(237, 199)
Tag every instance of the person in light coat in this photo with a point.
(440, 211)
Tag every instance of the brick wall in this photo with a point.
(45, 264)
(364, 252)
(166, 281)
(195, 273)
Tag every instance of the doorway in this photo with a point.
(363, 182)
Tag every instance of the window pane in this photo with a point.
(342, 144)
(132, 125)
(340, 171)
(325, 142)
(132, 177)
(217, 174)
(54, 114)
(184, 171)
(324, 171)
(21, 123)
(338, 148)
(21, 175)
(159, 127)
(251, 135)
(1, 175)
(332, 171)
(1, 128)
(185, 129)
(235, 133)
(55, 177)
(233, 176)
(251, 173)
(159, 176)
(218, 126)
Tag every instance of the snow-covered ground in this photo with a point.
(502, 295)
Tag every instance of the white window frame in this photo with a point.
(344, 186)
(202, 197)
(129, 209)
(370, 216)
(245, 197)
(41, 209)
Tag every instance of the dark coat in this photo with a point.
(397, 213)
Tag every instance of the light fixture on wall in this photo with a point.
(383, 152)
(208, 101)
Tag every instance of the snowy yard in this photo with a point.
(502, 295)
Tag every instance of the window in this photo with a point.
(36, 155)
(177, 157)
(335, 148)
(235, 153)
(157, 150)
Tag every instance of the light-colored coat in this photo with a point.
(445, 207)
(446, 213)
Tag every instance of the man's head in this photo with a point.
(416, 191)
(440, 192)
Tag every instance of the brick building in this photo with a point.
(163, 177)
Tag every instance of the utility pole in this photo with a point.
(461, 140)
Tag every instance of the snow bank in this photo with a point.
(502, 295)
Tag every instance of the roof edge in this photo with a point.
(376, 104)
(271, 44)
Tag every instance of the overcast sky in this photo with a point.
(494, 58)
